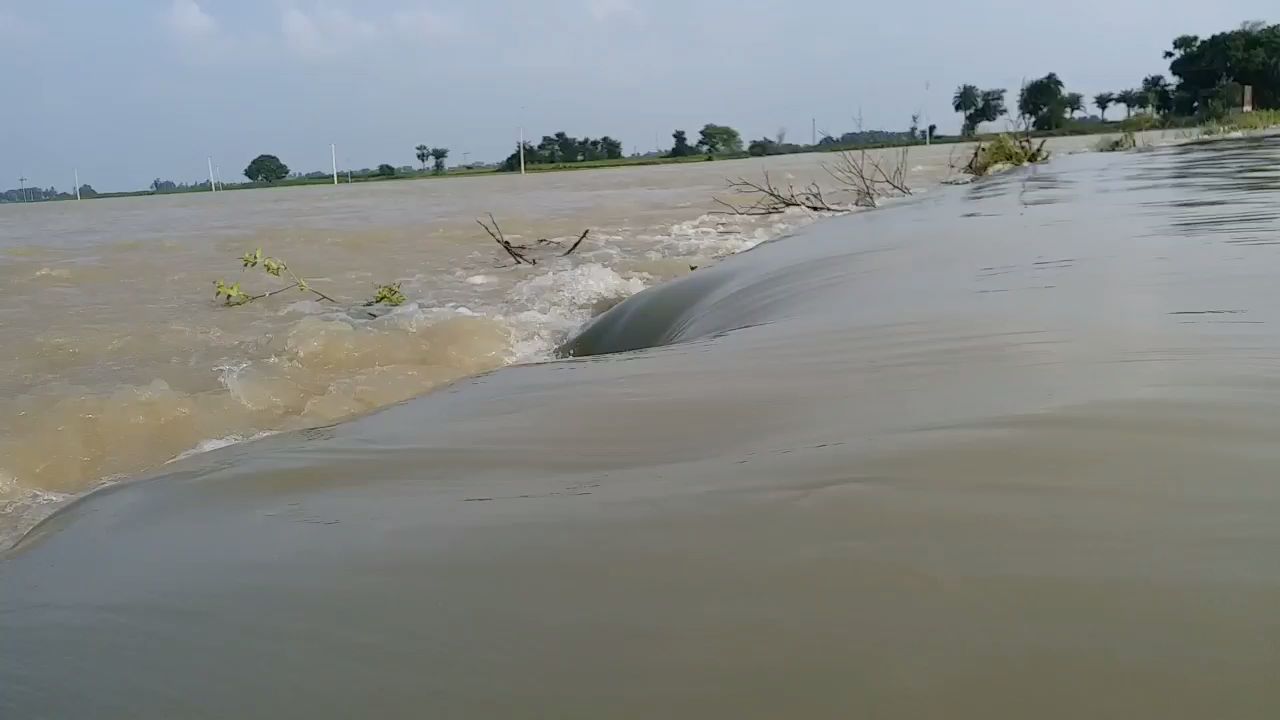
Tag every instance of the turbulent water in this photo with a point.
(114, 357)
(1002, 450)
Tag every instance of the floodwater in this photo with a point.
(1005, 450)
(115, 357)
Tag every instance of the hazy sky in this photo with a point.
(129, 90)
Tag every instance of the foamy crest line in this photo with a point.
(543, 310)
(207, 445)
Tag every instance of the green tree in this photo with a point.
(424, 154)
(386, 170)
(680, 145)
(967, 99)
(978, 106)
(567, 147)
(1209, 69)
(512, 163)
(266, 169)
(1158, 94)
(1102, 101)
(1130, 99)
(1043, 103)
(612, 148)
(438, 155)
(1074, 103)
(720, 139)
(762, 147)
(86, 190)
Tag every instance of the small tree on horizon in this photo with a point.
(720, 139)
(266, 169)
(1158, 94)
(966, 100)
(1102, 101)
(423, 154)
(1043, 103)
(977, 106)
(680, 145)
(1074, 103)
(1130, 99)
(439, 155)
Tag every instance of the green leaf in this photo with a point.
(388, 295)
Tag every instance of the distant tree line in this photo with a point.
(564, 148)
(35, 194)
(1210, 74)
(712, 140)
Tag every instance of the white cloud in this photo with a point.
(606, 10)
(325, 31)
(425, 24)
(189, 20)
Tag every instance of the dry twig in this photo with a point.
(575, 245)
(517, 252)
(867, 178)
(520, 253)
(772, 200)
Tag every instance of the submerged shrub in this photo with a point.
(1127, 141)
(1005, 152)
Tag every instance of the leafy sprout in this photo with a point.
(389, 294)
(274, 267)
(233, 294)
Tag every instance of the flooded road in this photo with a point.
(999, 451)
(115, 358)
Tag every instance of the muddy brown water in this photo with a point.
(1003, 450)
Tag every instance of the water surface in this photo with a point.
(1003, 451)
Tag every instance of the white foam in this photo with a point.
(205, 446)
(545, 309)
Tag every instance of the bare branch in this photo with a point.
(867, 178)
(515, 251)
(772, 200)
(581, 237)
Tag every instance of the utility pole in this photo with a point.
(217, 171)
(77, 183)
(333, 154)
(213, 186)
(814, 125)
(22, 185)
(522, 150)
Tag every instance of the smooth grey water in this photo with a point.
(1005, 451)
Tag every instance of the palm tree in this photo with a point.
(424, 154)
(439, 154)
(1104, 100)
(967, 99)
(1157, 92)
(1074, 102)
(1130, 99)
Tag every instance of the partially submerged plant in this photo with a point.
(274, 267)
(1127, 141)
(232, 294)
(389, 294)
(1005, 152)
(520, 253)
